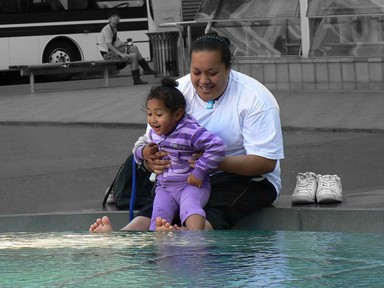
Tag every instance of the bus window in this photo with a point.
(56, 5)
(120, 4)
(9, 6)
(46, 6)
(24, 6)
(77, 4)
(41, 7)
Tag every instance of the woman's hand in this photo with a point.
(149, 151)
(195, 157)
(156, 164)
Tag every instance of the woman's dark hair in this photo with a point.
(212, 42)
(167, 92)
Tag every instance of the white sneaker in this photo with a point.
(305, 190)
(329, 189)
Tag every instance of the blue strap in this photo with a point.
(133, 194)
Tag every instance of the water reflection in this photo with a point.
(191, 259)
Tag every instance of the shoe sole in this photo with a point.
(328, 198)
(302, 200)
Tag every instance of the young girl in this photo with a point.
(180, 188)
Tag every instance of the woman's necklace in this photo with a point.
(210, 104)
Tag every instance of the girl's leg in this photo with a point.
(195, 222)
(192, 201)
(164, 206)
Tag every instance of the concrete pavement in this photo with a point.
(89, 102)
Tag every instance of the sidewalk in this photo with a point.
(88, 102)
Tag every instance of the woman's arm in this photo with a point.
(247, 165)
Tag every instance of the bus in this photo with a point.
(54, 31)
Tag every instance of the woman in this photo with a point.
(243, 113)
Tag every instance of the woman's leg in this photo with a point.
(233, 197)
(104, 225)
(139, 223)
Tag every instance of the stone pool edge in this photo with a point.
(366, 220)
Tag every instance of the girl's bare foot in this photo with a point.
(102, 225)
(163, 225)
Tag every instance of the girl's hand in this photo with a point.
(192, 180)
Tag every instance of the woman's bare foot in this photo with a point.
(163, 225)
(102, 225)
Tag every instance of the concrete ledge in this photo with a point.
(58, 222)
(271, 218)
(316, 219)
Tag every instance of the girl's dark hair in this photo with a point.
(167, 92)
(211, 42)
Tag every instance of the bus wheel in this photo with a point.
(61, 51)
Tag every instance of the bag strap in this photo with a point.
(133, 193)
(109, 190)
(114, 34)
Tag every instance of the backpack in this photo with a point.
(121, 186)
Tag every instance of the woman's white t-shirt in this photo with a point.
(246, 117)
